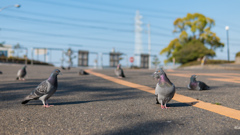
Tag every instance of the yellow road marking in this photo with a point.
(229, 112)
(225, 80)
(224, 77)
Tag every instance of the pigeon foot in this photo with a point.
(164, 107)
(46, 106)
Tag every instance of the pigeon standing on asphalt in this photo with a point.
(63, 68)
(44, 90)
(21, 73)
(119, 71)
(164, 90)
(82, 72)
(197, 85)
(0, 72)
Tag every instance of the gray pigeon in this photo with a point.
(21, 73)
(119, 71)
(82, 72)
(44, 90)
(164, 90)
(197, 85)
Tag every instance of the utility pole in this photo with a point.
(138, 38)
(227, 28)
(149, 47)
(32, 57)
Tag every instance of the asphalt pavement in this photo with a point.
(92, 105)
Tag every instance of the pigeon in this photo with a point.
(164, 90)
(21, 73)
(0, 72)
(119, 71)
(44, 90)
(197, 85)
(63, 68)
(82, 72)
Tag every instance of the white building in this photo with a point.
(6, 50)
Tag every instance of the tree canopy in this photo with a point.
(195, 32)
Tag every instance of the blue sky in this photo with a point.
(100, 25)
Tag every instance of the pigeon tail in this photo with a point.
(25, 101)
(207, 87)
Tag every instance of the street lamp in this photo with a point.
(16, 5)
(227, 28)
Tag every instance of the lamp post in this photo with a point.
(16, 5)
(227, 28)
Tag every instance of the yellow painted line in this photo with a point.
(224, 77)
(229, 112)
(225, 80)
(170, 70)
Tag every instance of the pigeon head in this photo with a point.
(53, 77)
(56, 72)
(193, 78)
(118, 66)
(24, 67)
(162, 77)
(158, 73)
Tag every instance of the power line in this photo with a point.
(70, 36)
(69, 18)
(102, 10)
(68, 24)
(126, 7)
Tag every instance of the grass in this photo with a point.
(193, 63)
(21, 61)
(217, 103)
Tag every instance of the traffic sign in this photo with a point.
(131, 59)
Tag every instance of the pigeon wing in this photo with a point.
(203, 86)
(117, 72)
(18, 73)
(122, 73)
(41, 90)
(23, 73)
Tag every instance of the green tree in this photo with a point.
(156, 61)
(70, 55)
(17, 47)
(191, 51)
(1, 44)
(191, 28)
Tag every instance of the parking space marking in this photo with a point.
(229, 112)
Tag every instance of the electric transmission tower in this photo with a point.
(138, 38)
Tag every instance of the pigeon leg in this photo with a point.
(48, 105)
(166, 106)
(157, 101)
(163, 107)
(43, 103)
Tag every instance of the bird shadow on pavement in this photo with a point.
(178, 105)
(181, 104)
(58, 103)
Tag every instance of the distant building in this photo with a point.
(6, 50)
